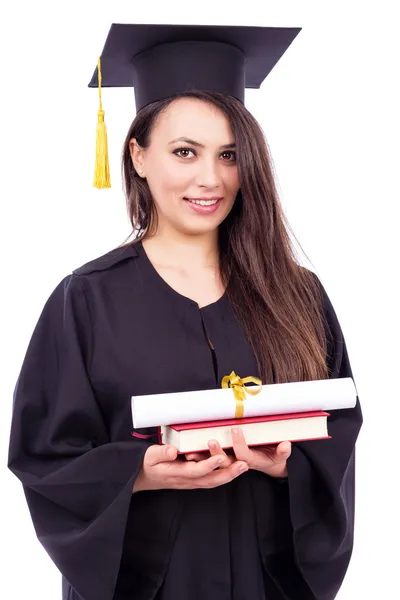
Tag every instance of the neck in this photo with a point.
(197, 251)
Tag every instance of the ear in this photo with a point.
(137, 155)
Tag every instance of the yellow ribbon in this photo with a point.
(239, 389)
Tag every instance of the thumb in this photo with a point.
(284, 450)
(160, 453)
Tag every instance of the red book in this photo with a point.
(272, 429)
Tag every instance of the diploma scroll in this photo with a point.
(213, 405)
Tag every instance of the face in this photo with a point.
(190, 167)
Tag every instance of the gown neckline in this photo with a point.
(162, 283)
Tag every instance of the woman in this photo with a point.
(209, 285)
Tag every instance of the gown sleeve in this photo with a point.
(77, 483)
(321, 482)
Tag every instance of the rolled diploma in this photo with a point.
(212, 405)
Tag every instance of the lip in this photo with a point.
(204, 209)
(204, 198)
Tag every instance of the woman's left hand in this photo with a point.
(269, 459)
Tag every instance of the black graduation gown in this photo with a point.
(112, 329)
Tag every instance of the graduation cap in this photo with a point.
(160, 61)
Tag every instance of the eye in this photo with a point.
(226, 153)
(183, 150)
(231, 153)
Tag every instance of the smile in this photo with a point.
(203, 202)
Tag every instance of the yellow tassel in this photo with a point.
(102, 168)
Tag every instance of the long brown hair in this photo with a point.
(277, 301)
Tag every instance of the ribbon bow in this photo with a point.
(239, 389)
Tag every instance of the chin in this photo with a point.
(198, 229)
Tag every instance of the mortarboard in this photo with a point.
(160, 61)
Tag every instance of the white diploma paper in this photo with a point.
(213, 405)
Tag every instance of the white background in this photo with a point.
(330, 113)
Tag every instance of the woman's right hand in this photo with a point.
(162, 469)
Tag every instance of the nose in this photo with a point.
(209, 173)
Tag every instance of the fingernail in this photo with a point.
(213, 445)
(242, 468)
(235, 430)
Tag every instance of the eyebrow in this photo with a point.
(194, 143)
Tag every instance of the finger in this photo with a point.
(194, 470)
(240, 447)
(197, 456)
(216, 449)
(283, 451)
(159, 453)
(223, 476)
